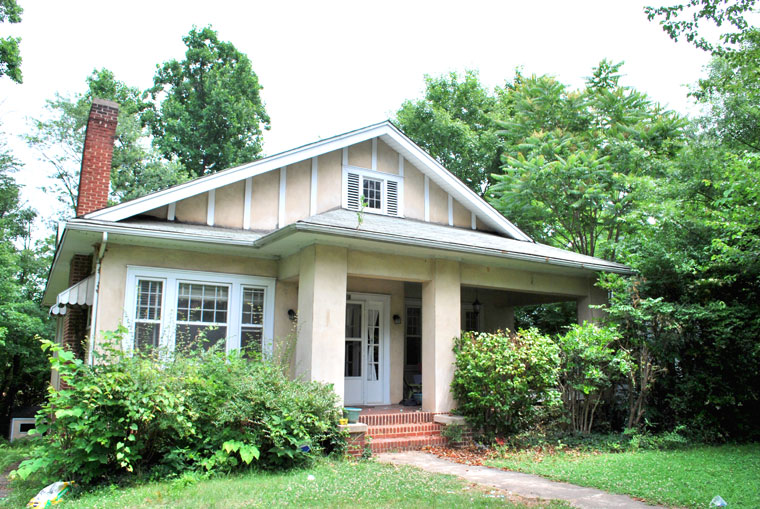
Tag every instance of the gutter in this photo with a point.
(94, 319)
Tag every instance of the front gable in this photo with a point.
(395, 177)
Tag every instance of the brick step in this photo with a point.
(405, 430)
(405, 444)
(396, 418)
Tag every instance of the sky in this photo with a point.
(328, 67)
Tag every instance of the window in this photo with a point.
(381, 191)
(189, 309)
(413, 336)
(148, 313)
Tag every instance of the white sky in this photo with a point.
(329, 67)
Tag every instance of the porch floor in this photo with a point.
(388, 409)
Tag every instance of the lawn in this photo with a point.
(335, 484)
(687, 477)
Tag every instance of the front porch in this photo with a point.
(377, 326)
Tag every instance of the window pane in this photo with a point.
(202, 303)
(251, 340)
(149, 299)
(353, 358)
(146, 335)
(372, 191)
(199, 336)
(413, 321)
(413, 351)
(253, 306)
(353, 320)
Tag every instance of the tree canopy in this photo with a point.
(10, 56)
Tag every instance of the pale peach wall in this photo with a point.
(462, 216)
(439, 204)
(113, 273)
(298, 191)
(414, 192)
(329, 181)
(360, 154)
(193, 209)
(265, 198)
(229, 204)
(160, 212)
(285, 298)
(387, 158)
(396, 290)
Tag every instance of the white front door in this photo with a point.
(367, 366)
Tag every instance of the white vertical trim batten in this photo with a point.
(281, 212)
(374, 153)
(171, 212)
(211, 206)
(345, 156)
(247, 205)
(400, 165)
(474, 221)
(313, 199)
(451, 211)
(427, 198)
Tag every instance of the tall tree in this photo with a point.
(576, 162)
(10, 56)
(454, 123)
(24, 371)
(59, 139)
(211, 113)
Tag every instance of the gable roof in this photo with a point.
(386, 131)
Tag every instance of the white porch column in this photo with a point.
(595, 297)
(320, 349)
(441, 314)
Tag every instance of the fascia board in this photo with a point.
(123, 229)
(237, 174)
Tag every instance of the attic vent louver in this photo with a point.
(392, 198)
(352, 182)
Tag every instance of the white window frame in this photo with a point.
(173, 277)
(365, 174)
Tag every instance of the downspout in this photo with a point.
(94, 319)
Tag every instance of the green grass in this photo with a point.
(336, 484)
(10, 454)
(686, 477)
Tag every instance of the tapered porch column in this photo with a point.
(320, 349)
(596, 296)
(441, 315)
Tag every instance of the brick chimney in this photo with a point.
(95, 176)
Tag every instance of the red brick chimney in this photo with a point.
(95, 176)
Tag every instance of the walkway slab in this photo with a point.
(524, 485)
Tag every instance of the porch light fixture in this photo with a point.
(396, 319)
(476, 306)
(291, 315)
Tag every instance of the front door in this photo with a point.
(367, 369)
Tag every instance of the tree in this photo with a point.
(59, 139)
(576, 163)
(683, 20)
(23, 369)
(211, 114)
(10, 56)
(454, 123)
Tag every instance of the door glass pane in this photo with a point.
(373, 345)
(353, 320)
(353, 358)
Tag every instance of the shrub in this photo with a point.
(171, 413)
(503, 380)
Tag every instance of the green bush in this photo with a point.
(166, 413)
(629, 440)
(504, 381)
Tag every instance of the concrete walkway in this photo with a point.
(524, 485)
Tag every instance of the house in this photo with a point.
(381, 253)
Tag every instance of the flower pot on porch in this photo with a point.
(352, 414)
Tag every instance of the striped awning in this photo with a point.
(80, 294)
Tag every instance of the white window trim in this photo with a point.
(172, 278)
(375, 175)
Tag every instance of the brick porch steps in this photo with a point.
(402, 431)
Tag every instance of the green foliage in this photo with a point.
(503, 381)
(10, 56)
(454, 124)
(629, 440)
(167, 414)
(211, 114)
(59, 139)
(591, 362)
